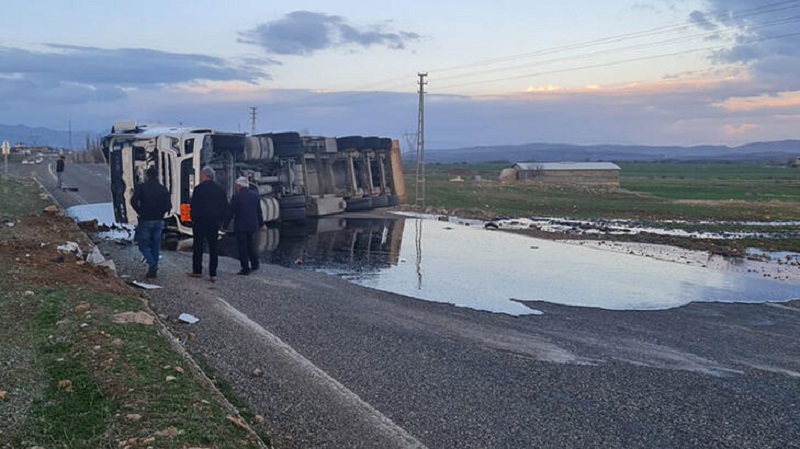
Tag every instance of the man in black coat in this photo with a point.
(151, 201)
(209, 207)
(245, 209)
(60, 171)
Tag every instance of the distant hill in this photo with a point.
(44, 136)
(777, 151)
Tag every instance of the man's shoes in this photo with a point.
(213, 279)
(151, 273)
(194, 275)
(243, 272)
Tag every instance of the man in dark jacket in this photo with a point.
(151, 201)
(60, 171)
(245, 209)
(209, 207)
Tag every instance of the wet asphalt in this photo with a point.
(349, 367)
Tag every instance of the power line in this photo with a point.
(675, 40)
(611, 51)
(613, 63)
(775, 7)
(356, 96)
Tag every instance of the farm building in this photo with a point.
(603, 173)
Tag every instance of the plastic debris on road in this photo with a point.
(187, 318)
(145, 285)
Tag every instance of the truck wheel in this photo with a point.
(349, 143)
(380, 201)
(293, 214)
(385, 143)
(359, 204)
(287, 149)
(289, 202)
(288, 138)
(372, 143)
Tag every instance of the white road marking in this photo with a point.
(377, 419)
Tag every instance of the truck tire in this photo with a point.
(285, 138)
(293, 214)
(286, 144)
(380, 201)
(349, 143)
(359, 204)
(372, 143)
(289, 202)
(285, 150)
(385, 143)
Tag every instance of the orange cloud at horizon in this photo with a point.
(739, 130)
(695, 83)
(746, 104)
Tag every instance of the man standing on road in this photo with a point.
(151, 201)
(60, 171)
(209, 207)
(245, 209)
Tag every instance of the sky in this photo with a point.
(645, 72)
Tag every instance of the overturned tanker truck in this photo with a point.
(296, 176)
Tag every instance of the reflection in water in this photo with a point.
(492, 271)
(498, 272)
(418, 242)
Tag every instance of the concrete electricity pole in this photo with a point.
(420, 183)
(253, 111)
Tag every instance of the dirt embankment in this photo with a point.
(31, 246)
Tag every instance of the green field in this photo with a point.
(656, 191)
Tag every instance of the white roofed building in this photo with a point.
(594, 173)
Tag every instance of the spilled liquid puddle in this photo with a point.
(498, 272)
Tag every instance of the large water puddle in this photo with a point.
(496, 271)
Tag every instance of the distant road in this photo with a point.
(91, 180)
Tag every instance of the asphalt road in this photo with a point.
(350, 367)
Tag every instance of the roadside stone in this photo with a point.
(170, 378)
(51, 209)
(238, 422)
(64, 384)
(168, 432)
(133, 417)
(117, 342)
(257, 373)
(82, 307)
(3, 394)
(28, 293)
(133, 317)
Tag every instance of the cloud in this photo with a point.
(302, 33)
(126, 67)
(739, 130)
(766, 39)
(699, 18)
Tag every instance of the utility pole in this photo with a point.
(420, 184)
(253, 112)
(411, 144)
(69, 123)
